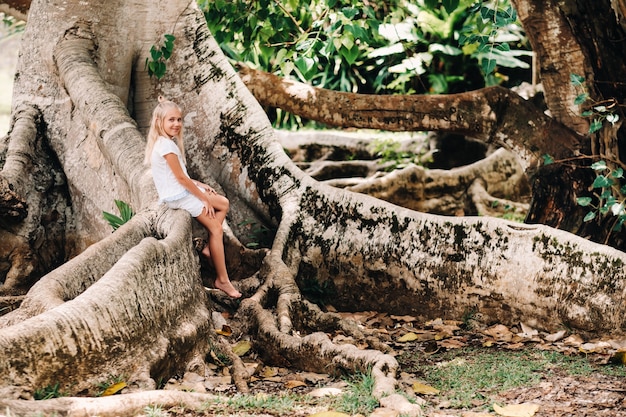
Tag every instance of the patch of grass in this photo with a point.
(155, 411)
(472, 376)
(358, 397)
(281, 404)
(48, 392)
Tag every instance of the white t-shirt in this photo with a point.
(167, 185)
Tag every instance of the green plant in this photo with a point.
(598, 112)
(316, 292)
(282, 404)
(470, 377)
(357, 46)
(389, 151)
(259, 234)
(48, 392)
(358, 398)
(159, 55)
(610, 194)
(126, 213)
(155, 411)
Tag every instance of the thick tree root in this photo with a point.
(107, 302)
(294, 336)
(447, 191)
(119, 405)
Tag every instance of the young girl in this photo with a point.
(165, 153)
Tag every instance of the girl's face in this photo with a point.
(172, 123)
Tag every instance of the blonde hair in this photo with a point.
(156, 128)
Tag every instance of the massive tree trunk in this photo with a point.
(134, 301)
(591, 33)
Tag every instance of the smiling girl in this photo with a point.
(165, 152)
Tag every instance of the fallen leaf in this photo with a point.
(225, 331)
(527, 331)
(326, 392)
(554, 337)
(269, 371)
(114, 389)
(420, 388)
(409, 337)
(242, 347)
(516, 410)
(452, 344)
(407, 319)
(499, 332)
(573, 340)
(293, 384)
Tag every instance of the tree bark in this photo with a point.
(494, 115)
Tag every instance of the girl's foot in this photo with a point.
(228, 288)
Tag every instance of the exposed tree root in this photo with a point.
(448, 191)
(32, 215)
(119, 405)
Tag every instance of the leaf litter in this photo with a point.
(419, 345)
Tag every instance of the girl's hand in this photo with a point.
(209, 209)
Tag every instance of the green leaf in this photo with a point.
(488, 65)
(618, 173)
(350, 54)
(450, 5)
(583, 201)
(602, 182)
(155, 53)
(599, 166)
(306, 65)
(595, 126)
(590, 216)
(547, 159)
(577, 79)
(113, 220)
(581, 98)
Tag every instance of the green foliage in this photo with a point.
(610, 195)
(126, 213)
(11, 26)
(358, 398)
(159, 55)
(283, 404)
(155, 411)
(597, 112)
(385, 48)
(48, 392)
(316, 292)
(259, 234)
(389, 151)
(471, 376)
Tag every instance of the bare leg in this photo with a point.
(214, 251)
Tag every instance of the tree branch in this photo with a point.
(494, 114)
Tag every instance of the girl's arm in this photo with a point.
(208, 188)
(188, 183)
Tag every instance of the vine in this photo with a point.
(607, 187)
(159, 55)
